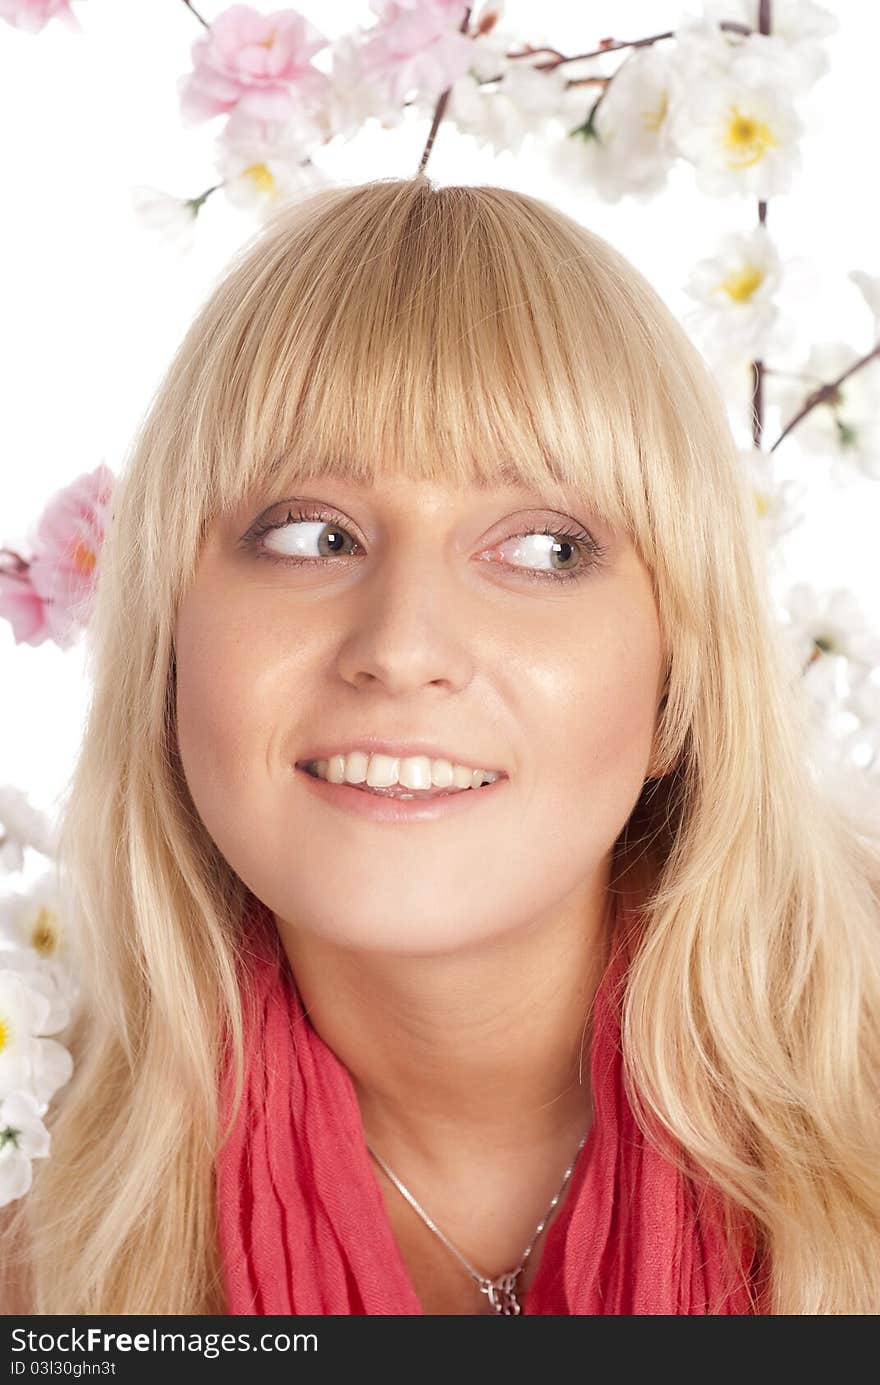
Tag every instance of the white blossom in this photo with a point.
(500, 100)
(830, 625)
(702, 51)
(738, 292)
(32, 1006)
(734, 118)
(489, 116)
(581, 161)
(31, 923)
(262, 163)
(869, 287)
(863, 704)
(779, 504)
(524, 101)
(22, 825)
(800, 24)
(632, 121)
(350, 100)
(173, 218)
(626, 151)
(23, 1138)
(793, 20)
(837, 759)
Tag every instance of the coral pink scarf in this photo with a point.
(302, 1223)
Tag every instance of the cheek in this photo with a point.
(210, 686)
(221, 719)
(235, 713)
(594, 720)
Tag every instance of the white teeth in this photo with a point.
(382, 771)
(442, 774)
(462, 777)
(417, 772)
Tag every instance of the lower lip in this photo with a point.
(382, 809)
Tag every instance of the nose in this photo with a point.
(408, 627)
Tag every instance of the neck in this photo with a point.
(463, 1058)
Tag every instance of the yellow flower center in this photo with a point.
(5, 1033)
(742, 284)
(260, 175)
(652, 120)
(84, 558)
(44, 935)
(747, 139)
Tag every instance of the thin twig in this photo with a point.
(758, 371)
(191, 6)
(609, 45)
(825, 393)
(20, 564)
(758, 365)
(440, 108)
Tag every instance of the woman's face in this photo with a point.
(417, 613)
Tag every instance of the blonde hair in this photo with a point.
(477, 335)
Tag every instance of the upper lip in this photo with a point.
(377, 746)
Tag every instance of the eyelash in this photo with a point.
(596, 552)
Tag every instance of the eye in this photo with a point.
(560, 553)
(315, 529)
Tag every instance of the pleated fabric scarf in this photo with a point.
(303, 1227)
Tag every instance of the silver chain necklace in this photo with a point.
(501, 1292)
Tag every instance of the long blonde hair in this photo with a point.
(478, 335)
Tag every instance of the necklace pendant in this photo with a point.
(501, 1293)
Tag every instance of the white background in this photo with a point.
(94, 306)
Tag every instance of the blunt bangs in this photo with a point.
(402, 343)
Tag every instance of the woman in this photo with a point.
(465, 931)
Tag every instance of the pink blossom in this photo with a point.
(21, 605)
(417, 44)
(34, 15)
(259, 63)
(50, 596)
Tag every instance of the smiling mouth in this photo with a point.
(398, 791)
